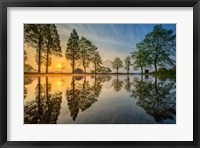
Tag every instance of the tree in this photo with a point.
(52, 43)
(96, 60)
(117, 63)
(127, 63)
(34, 36)
(117, 84)
(27, 67)
(85, 52)
(161, 46)
(73, 52)
(102, 69)
(157, 98)
(45, 109)
(140, 57)
(81, 97)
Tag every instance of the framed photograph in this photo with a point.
(104, 73)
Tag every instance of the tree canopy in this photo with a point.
(127, 63)
(161, 47)
(117, 63)
(72, 50)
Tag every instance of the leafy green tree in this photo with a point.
(117, 63)
(85, 52)
(96, 60)
(73, 51)
(127, 63)
(34, 36)
(52, 40)
(140, 57)
(161, 46)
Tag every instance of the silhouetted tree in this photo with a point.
(34, 35)
(117, 63)
(27, 67)
(52, 40)
(45, 109)
(73, 51)
(127, 63)
(117, 84)
(85, 52)
(128, 84)
(96, 60)
(81, 97)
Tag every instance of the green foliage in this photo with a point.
(127, 63)
(164, 73)
(140, 57)
(160, 45)
(72, 52)
(117, 63)
(157, 98)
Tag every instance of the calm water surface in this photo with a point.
(99, 99)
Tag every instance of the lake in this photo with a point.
(99, 99)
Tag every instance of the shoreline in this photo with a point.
(70, 74)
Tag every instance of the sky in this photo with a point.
(112, 40)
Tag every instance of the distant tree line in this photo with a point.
(157, 49)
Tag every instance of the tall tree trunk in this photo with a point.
(38, 101)
(47, 97)
(73, 63)
(47, 58)
(141, 70)
(128, 70)
(155, 64)
(84, 69)
(95, 68)
(39, 53)
(85, 79)
(117, 70)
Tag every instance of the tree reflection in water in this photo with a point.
(117, 84)
(157, 98)
(27, 81)
(155, 95)
(45, 109)
(81, 97)
(128, 84)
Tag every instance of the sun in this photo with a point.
(59, 65)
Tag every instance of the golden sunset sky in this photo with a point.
(112, 40)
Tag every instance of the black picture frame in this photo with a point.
(4, 4)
